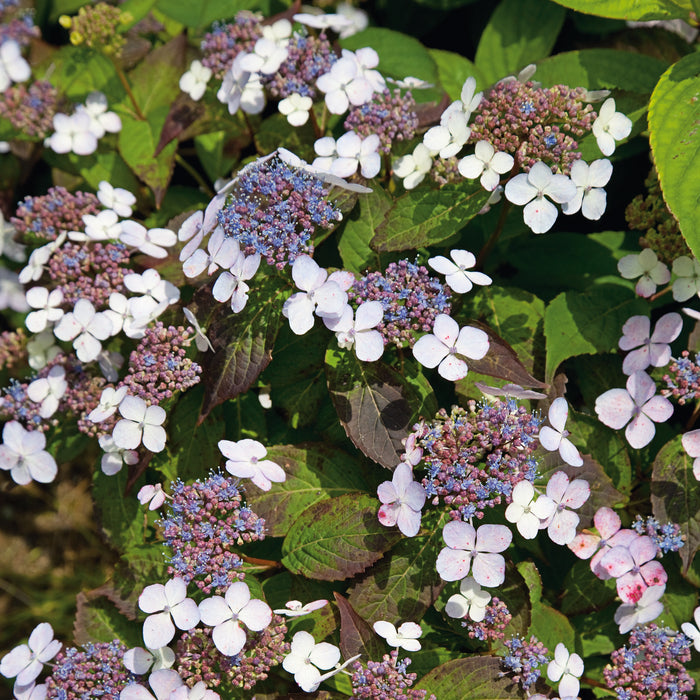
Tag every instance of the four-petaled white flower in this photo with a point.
(526, 511)
(266, 58)
(443, 347)
(225, 615)
(245, 460)
(231, 283)
(471, 600)
(405, 637)
(646, 609)
(152, 242)
(325, 298)
(139, 660)
(26, 661)
(103, 226)
(166, 604)
(687, 284)
(486, 163)
(164, 683)
(447, 139)
(360, 333)
(590, 198)
(101, 121)
(86, 328)
(13, 67)
(402, 499)
(655, 349)
(413, 168)
(119, 200)
(48, 390)
(636, 407)
(72, 134)
(241, 89)
(567, 669)
(556, 437)
(345, 84)
(42, 349)
(610, 126)
(305, 658)
(194, 81)
(458, 276)
(140, 423)
(109, 401)
(294, 608)
(278, 31)
(358, 19)
(38, 258)
(115, 457)
(152, 287)
(561, 525)
(47, 305)
(201, 341)
(342, 157)
(151, 495)
(531, 191)
(296, 108)
(336, 23)
(223, 251)
(693, 630)
(691, 445)
(476, 550)
(647, 267)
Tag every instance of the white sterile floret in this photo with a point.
(305, 658)
(648, 348)
(231, 283)
(555, 437)
(8, 246)
(343, 157)
(38, 258)
(266, 58)
(110, 362)
(131, 315)
(165, 605)
(359, 19)
(590, 198)
(458, 276)
(279, 31)
(487, 163)
(531, 191)
(72, 134)
(567, 669)
(411, 83)
(103, 226)
(692, 631)
(201, 341)
(151, 495)
(526, 511)
(610, 126)
(26, 661)
(150, 284)
(12, 295)
(296, 108)
(345, 84)
(139, 660)
(109, 402)
(294, 608)
(140, 424)
(101, 120)
(119, 200)
(151, 242)
(115, 457)
(48, 391)
(646, 609)
(447, 139)
(405, 637)
(413, 168)
(223, 252)
(650, 270)
(48, 308)
(86, 328)
(687, 284)
(22, 454)
(318, 296)
(471, 600)
(13, 67)
(241, 89)
(447, 343)
(225, 614)
(336, 23)
(245, 460)
(194, 81)
(561, 525)
(360, 333)
(165, 684)
(41, 349)
(368, 59)
(191, 231)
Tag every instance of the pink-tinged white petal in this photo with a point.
(584, 545)
(617, 561)
(569, 453)
(446, 329)
(691, 443)
(549, 438)
(615, 408)
(493, 538)
(640, 431)
(540, 215)
(472, 343)
(185, 614)
(452, 368)
(213, 611)
(256, 615)
(641, 387)
(489, 569)
(408, 521)
(457, 534)
(430, 351)
(558, 414)
(562, 528)
(228, 637)
(658, 408)
(453, 564)
(576, 494)
(158, 630)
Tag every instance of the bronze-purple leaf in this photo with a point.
(356, 636)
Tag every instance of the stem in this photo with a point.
(495, 235)
(693, 417)
(195, 175)
(127, 87)
(251, 133)
(318, 131)
(267, 563)
(653, 297)
(324, 117)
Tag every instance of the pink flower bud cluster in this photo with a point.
(30, 109)
(495, 621)
(205, 522)
(159, 366)
(387, 678)
(227, 39)
(198, 659)
(650, 666)
(475, 457)
(47, 216)
(683, 379)
(411, 299)
(534, 123)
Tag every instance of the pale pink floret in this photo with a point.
(635, 407)
(405, 637)
(23, 454)
(403, 499)
(458, 275)
(556, 437)
(26, 661)
(163, 682)
(645, 265)
(634, 568)
(465, 546)
(691, 444)
(651, 348)
(166, 604)
(245, 460)
(561, 525)
(646, 609)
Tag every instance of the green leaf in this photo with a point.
(584, 591)
(471, 678)
(276, 131)
(399, 55)
(200, 14)
(359, 228)
(377, 405)
(445, 4)
(674, 115)
(404, 583)
(675, 496)
(643, 10)
(78, 70)
(580, 323)
(212, 154)
(425, 216)
(519, 32)
(337, 538)
(98, 620)
(314, 473)
(453, 70)
(119, 516)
